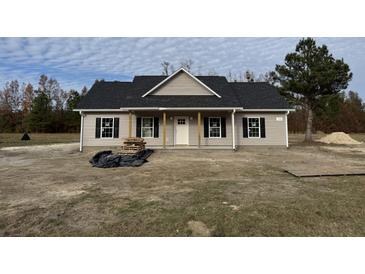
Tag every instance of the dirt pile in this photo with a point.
(339, 138)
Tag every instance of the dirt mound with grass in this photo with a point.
(339, 138)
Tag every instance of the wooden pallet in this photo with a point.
(134, 139)
(133, 145)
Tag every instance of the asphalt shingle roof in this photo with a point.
(114, 95)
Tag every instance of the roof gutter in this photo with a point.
(238, 109)
(98, 110)
(268, 109)
(181, 108)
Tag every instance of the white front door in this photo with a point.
(181, 130)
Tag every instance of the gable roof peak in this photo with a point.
(175, 73)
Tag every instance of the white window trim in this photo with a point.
(220, 128)
(153, 127)
(248, 127)
(101, 128)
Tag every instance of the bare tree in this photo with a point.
(165, 68)
(187, 64)
(267, 77)
(56, 93)
(230, 76)
(28, 96)
(249, 76)
(10, 96)
(42, 84)
(84, 91)
(10, 100)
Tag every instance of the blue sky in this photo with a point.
(76, 62)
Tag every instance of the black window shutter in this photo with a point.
(244, 126)
(156, 127)
(262, 127)
(206, 127)
(116, 127)
(223, 127)
(97, 127)
(138, 127)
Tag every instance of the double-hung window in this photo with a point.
(215, 127)
(107, 127)
(254, 127)
(147, 127)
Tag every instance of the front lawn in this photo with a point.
(14, 139)
(55, 192)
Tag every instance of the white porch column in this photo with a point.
(286, 129)
(81, 131)
(233, 131)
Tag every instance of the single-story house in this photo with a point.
(184, 111)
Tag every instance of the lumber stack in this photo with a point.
(132, 145)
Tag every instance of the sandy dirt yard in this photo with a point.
(54, 191)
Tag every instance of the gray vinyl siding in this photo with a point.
(150, 142)
(227, 141)
(182, 84)
(90, 124)
(275, 130)
(193, 128)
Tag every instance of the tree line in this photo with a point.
(313, 82)
(311, 79)
(47, 108)
(342, 112)
(241, 76)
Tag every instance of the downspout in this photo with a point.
(286, 129)
(233, 131)
(81, 131)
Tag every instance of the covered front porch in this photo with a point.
(184, 129)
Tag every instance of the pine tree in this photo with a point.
(72, 117)
(309, 75)
(73, 99)
(40, 118)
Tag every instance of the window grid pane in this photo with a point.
(253, 127)
(214, 132)
(214, 127)
(147, 132)
(214, 122)
(147, 122)
(147, 127)
(107, 127)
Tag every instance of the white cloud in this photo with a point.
(79, 61)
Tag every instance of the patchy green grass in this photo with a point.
(14, 139)
(317, 210)
(243, 193)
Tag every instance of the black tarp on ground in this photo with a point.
(106, 159)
